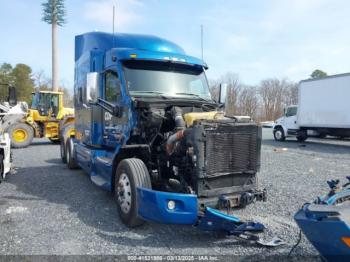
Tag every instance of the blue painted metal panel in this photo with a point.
(105, 41)
(153, 206)
(324, 233)
(214, 220)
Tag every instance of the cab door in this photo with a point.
(113, 126)
(290, 121)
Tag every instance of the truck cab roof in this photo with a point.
(133, 46)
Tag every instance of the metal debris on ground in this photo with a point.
(280, 149)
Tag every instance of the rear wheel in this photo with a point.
(70, 156)
(131, 173)
(21, 135)
(278, 134)
(302, 136)
(63, 151)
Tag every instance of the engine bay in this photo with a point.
(196, 149)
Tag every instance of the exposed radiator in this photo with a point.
(232, 149)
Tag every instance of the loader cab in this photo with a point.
(47, 103)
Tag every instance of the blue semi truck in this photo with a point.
(147, 129)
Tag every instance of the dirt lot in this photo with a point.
(47, 209)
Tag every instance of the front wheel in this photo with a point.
(21, 135)
(278, 134)
(131, 173)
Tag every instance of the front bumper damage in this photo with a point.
(175, 208)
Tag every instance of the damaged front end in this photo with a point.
(227, 159)
(209, 166)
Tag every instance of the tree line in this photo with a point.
(26, 82)
(263, 102)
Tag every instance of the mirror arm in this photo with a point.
(109, 107)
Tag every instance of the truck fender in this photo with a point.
(141, 151)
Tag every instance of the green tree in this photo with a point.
(23, 82)
(5, 79)
(54, 13)
(318, 74)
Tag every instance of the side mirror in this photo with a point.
(92, 87)
(12, 98)
(222, 93)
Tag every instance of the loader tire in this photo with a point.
(63, 151)
(130, 174)
(70, 155)
(21, 135)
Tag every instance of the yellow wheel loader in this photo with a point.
(43, 119)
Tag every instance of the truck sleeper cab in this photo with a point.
(147, 129)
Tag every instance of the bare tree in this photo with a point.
(248, 101)
(292, 94)
(233, 89)
(272, 93)
(214, 88)
(41, 81)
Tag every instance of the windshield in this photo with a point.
(165, 78)
(35, 100)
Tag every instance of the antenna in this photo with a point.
(113, 26)
(202, 41)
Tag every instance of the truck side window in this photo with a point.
(291, 111)
(112, 87)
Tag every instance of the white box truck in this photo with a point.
(324, 109)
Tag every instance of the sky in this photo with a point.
(255, 39)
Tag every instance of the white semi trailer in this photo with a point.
(324, 109)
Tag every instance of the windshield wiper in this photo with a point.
(191, 94)
(151, 92)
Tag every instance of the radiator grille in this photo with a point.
(232, 149)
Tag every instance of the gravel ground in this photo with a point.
(47, 209)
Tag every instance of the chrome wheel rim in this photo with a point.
(278, 134)
(124, 193)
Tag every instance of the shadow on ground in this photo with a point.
(96, 208)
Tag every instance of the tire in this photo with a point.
(70, 156)
(21, 135)
(302, 136)
(2, 168)
(134, 172)
(278, 134)
(63, 151)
